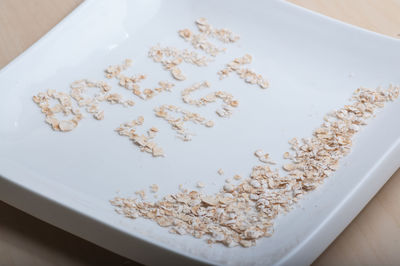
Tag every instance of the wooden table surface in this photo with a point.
(373, 238)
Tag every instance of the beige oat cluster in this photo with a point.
(144, 142)
(163, 86)
(64, 105)
(239, 215)
(226, 97)
(178, 123)
(79, 90)
(171, 58)
(132, 83)
(244, 73)
(224, 35)
(315, 158)
(200, 41)
(114, 71)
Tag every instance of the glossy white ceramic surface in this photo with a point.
(313, 64)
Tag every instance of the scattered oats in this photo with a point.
(286, 155)
(228, 180)
(220, 172)
(154, 188)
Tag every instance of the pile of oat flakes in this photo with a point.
(241, 214)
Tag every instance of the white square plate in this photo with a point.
(313, 63)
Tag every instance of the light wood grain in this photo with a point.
(373, 238)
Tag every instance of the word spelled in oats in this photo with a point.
(64, 105)
(244, 73)
(171, 58)
(239, 215)
(144, 142)
(178, 123)
(211, 97)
